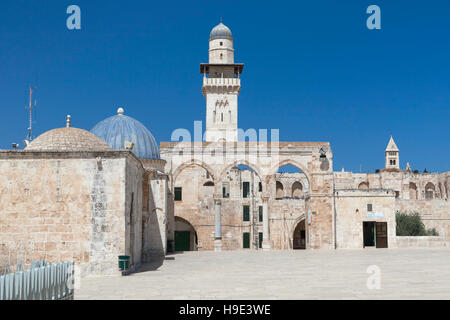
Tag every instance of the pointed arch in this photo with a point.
(291, 162)
(245, 163)
(199, 163)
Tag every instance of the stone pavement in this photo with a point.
(299, 274)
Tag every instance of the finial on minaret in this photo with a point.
(220, 19)
(68, 121)
(120, 111)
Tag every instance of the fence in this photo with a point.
(41, 282)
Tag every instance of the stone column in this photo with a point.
(217, 224)
(266, 236)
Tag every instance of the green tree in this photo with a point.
(412, 225)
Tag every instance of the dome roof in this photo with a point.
(118, 129)
(67, 139)
(220, 31)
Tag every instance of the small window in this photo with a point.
(221, 43)
(260, 238)
(246, 213)
(397, 194)
(245, 189)
(260, 187)
(221, 56)
(260, 213)
(178, 194)
(369, 207)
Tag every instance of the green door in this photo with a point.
(182, 240)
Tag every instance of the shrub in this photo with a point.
(412, 225)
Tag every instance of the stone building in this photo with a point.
(73, 196)
(92, 196)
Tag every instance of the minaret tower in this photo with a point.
(392, 158)
(221, 86)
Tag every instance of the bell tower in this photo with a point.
(392, 158)
(221, 86)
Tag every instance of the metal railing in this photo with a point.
(42, 281)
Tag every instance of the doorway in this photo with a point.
(375, 234)
(185, 236)
(182, 240)
(299, 241)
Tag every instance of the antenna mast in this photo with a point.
(30, 132)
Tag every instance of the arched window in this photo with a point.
(363, 185)
(429, 190)
(297, 190)
(412, 191)
(280, 191)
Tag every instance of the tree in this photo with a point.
(412, 225)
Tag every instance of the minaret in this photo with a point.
(221, 86)
(392, 159)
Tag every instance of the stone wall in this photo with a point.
(134, 173)
(65, 206)
(423, 242)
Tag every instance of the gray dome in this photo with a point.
(116, 130)
(220, 31)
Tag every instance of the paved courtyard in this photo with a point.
(340, 274)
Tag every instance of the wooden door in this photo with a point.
(381, 232)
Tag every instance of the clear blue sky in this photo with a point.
(312, 69)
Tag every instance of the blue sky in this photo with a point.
(312, 69)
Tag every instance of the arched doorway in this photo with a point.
(185, 235)
(299, 238)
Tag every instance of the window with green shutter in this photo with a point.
(246, 240)
(260, 238)
(246, 213)
(245, 189)
(178, 193)
(260, 213)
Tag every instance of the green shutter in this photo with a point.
(260, 238)
(246, 213)
(260, 211)
(246, 240)
(178, 193)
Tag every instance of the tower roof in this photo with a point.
(391, 145)
(220, 31)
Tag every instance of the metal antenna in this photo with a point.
(30, 118)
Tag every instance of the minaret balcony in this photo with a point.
(220, 82)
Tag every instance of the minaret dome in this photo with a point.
(221, 45)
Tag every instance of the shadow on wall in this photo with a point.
(153, 248)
